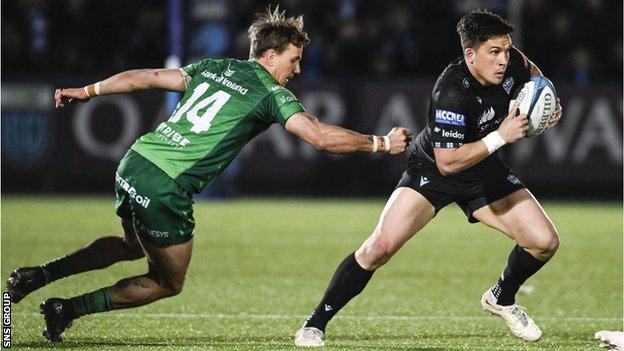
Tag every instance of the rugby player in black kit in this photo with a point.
(455, 159)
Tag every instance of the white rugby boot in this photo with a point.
(519, 322)
(611, 340)
(309, 337)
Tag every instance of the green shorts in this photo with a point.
(160, 210)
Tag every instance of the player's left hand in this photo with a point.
(557, 115)
(68, 95)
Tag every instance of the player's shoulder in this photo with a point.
(454, 76)
(454, 81)
(269, 83)
(217, 64)
(519, 65)
(227, 65)
(519, 57)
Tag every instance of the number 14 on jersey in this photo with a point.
(192, 107)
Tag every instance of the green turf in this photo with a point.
(260, 266)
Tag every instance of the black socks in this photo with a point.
(348, 281)
(520, 266)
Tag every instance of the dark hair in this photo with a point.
(479, 26)
(273, 30)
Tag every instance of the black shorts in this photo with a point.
(440, 191)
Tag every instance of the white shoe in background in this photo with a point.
(611, 340)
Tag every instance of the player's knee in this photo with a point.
(173, 287)
(551, 243)
(383, 252)
(377, 253)
(546, 245)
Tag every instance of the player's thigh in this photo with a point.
(405, 213)
(522, 218)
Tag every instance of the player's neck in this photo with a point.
(265, 64)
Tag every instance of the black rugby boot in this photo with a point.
(23, 281)
(58, 314)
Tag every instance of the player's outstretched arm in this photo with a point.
(338, 140)
(125, 82)
(512, 129)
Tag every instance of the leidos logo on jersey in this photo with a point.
(449, 133)
(448, 117)
(452, 134)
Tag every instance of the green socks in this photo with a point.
(93, 302)
(56, 269)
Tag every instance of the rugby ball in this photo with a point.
(537, 99)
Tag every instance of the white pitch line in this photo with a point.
(369, 318)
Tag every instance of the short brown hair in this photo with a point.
(479, 26)
(273, 30)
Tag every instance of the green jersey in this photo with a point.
(226, 104)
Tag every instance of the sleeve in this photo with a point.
(192, 69)
(448, 118)
(281, 104)
(519, 65)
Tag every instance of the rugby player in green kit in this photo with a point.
(226, 103)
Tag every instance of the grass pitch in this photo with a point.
(260, 266)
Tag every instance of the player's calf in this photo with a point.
(131, 252)
(348, 281)
(99, 254)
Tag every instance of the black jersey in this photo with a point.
(462, 111)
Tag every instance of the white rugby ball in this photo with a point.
(537, 99)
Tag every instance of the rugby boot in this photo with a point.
(58, 314)
(23, 281)
(309, 337)
(517, 320)
(611, 340)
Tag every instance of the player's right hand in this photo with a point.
(399, 140)
(514, 127)
(61, 96)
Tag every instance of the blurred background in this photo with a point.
(371, 65)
